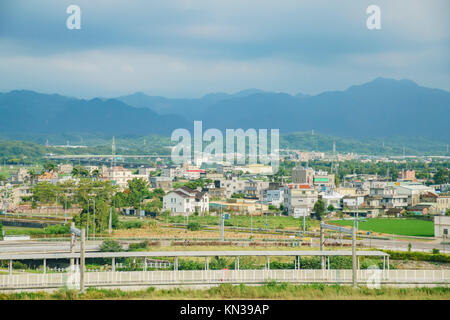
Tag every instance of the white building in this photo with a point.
(299, 199)
(274, 197)
(231, 186)
(186, 201)
(120, 176)
(441, 226)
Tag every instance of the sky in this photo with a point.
(188, 48)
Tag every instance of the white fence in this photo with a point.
(198, 277)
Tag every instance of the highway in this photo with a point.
(33, 246)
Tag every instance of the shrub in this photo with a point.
(194, 226)
(137, 246)
(110, 246)
(130, 225)
(418, 256)
(57, 229)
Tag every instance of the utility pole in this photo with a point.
(82, 262)
(222, 226)
(322, 260)
(304, 226)
(72, 246)
(354, 274)
(110, 221)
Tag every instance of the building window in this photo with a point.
(446, 232)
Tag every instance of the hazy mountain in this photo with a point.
(28, 111)
(382, 107)
(191, 109)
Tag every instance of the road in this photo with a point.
(64, 246)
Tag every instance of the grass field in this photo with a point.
(273, 222)
(13, 231)
(226, 291)
(407, 227)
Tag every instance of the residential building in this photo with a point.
(186, 201)
(299, 199)
(441, 226)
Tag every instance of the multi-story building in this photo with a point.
(407, 175)
(164, 183)
(441, 226)
(186, 201)
(302, 175)
(299, 199)
(320, 179)
(254, 188)
(120, 176)
(65, 168)
(231, 186)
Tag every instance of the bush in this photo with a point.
(110, 246)
(57, 229)
(194, 226)
(130, 225)
(138, 246)
(418, 256)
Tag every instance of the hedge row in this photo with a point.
(418, 256)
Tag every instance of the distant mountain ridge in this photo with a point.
(379, 108)
(27, 112)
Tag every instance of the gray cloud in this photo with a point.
(190, 47)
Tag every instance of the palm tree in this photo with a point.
(50, 167)
(33, 175)
(95, 173)
(75, 172)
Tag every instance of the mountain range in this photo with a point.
(380, 108)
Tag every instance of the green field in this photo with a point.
(406, 227)
(258, 222)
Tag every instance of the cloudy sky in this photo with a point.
(186, 48)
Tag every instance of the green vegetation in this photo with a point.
(110, 246)
(319, 209)
(258, 222)
(270, 290)
(407, 227)
(419, 256)
(194, 226)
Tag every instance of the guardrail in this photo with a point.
(213, 277)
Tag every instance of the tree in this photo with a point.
(110, 246)
(337, 180)
(95, 173)
(138, 190)
(79, 172)
(319, 209)
(154, 206)
(238, 195)
(194, 226)
(442, 176)
(50, 167)
(33, 175)
(44, 192)
(330, 208)
(1, 231)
